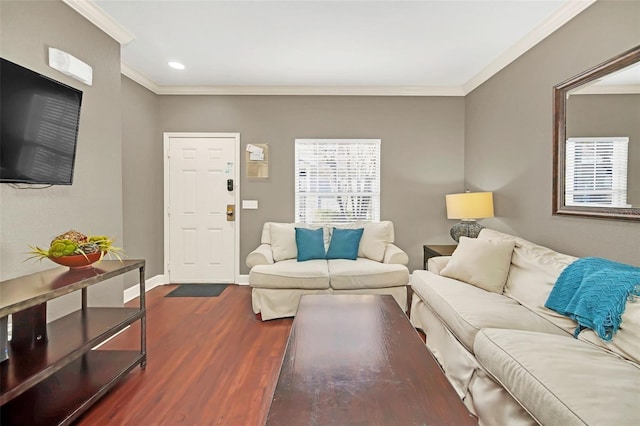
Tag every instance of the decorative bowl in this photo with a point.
(77, 261)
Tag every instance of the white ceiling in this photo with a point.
(324, 47)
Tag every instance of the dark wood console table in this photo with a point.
(54, 371)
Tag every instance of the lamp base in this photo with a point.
(466, 228)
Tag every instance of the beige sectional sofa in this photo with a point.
(278, 280)
(515, 362)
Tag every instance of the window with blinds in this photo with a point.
(596, 172)
(337, 180)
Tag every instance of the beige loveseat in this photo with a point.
(515, 362)
(278, 280)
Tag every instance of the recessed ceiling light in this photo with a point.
(176, 65)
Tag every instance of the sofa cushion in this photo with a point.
(283, 241)
(626, 342)
(309, 244)
(374, 240)
(483, 263)
(365, 273)
(282, 238)
(312, 274)
(344, 243)
(534, 270)
(375, 237)
(466, 309)
(560, 380)
(265, 236)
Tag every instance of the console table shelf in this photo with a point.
(55, 372)
(69, 337)
(62, 397)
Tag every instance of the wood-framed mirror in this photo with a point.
(596, 141)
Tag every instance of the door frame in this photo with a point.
(236, 178)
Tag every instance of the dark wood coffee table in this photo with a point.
(356, 360)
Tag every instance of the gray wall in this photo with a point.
(142, 174)
(501, 131)
(422, 153)
(509, 130)
(93, 204)
(610, 115)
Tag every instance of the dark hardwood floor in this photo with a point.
(211, 361)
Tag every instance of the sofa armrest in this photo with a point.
(260, 256)
(394, 254)
(437, 264)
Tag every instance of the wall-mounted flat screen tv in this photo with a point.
(39, 127)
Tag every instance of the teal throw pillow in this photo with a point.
(344, 243)
(310, 243)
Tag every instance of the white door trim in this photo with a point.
(236, 180)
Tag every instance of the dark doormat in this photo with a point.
(197, 290)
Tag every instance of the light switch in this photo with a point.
(249, 204)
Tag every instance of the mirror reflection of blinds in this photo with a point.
(337, 180)
(596, 171)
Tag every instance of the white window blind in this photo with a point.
(337, 180)
(596, 172)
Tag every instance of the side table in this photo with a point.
(433, 250)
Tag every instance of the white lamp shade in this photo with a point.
(470, 205)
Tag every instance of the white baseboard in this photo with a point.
(133, 292)
(153, 282)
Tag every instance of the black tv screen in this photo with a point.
(39, 127)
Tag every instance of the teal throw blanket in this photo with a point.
(594, 292)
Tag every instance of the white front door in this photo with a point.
(201, 170)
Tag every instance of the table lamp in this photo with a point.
(468, 206)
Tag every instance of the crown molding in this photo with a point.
(309, 90)
(100, 19)
(139, 78)
(146, 82)
(563, 15)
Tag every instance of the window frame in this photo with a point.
(370, 177)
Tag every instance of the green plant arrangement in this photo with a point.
(73, 243)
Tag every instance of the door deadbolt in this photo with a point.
(231, 213)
